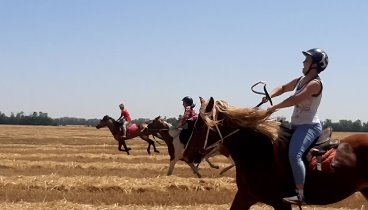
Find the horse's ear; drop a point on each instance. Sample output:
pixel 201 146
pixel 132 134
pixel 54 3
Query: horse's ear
pixel 210 105
pixel 202 100
pixel 157 117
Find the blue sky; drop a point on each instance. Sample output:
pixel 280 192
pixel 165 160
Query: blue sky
pixel 82 58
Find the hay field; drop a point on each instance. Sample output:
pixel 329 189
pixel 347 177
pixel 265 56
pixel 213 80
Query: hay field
pixel 44 167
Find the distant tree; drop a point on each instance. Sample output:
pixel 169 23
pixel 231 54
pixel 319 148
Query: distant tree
pixel 141 120
pixel 173 121
pixel 357 126
pixel 327 123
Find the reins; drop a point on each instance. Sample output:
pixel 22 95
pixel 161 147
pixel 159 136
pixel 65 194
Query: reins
pixel 265 92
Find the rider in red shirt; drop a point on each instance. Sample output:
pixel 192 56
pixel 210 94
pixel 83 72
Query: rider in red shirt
pixel 124 119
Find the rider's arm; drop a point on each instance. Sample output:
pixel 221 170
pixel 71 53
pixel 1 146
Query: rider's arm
pixel 121 116
pixel 282 89
pixel 285 88
pixel 311 89
pixel 185 117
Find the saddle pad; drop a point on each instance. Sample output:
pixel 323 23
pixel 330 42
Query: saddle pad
pixel 133 128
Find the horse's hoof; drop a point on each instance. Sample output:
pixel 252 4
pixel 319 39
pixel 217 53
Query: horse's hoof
pixel 157 151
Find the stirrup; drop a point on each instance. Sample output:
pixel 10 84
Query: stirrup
pixel 297 200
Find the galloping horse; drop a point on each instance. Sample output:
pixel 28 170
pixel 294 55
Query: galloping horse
pixel 258 147
pixel 133 131
pixel 175 147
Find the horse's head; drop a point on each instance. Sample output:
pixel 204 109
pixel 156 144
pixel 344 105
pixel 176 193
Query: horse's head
pixel 157 124
pixel 202 134
pixel 104 122
pixel 161 127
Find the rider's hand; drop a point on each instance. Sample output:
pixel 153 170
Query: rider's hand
pixel 264 99
pixel 271 109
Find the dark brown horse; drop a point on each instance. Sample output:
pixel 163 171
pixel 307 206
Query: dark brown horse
pixel 133 131
pixel 263 173
pixel 175 147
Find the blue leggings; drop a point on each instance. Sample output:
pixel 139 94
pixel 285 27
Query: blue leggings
pixel 302 138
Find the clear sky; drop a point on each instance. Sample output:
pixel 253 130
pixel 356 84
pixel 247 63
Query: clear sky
pixel 82 58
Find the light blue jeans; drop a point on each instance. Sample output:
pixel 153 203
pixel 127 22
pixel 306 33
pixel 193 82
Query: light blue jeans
pixel 302 138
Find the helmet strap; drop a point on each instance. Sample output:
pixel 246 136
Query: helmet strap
pixel 313 67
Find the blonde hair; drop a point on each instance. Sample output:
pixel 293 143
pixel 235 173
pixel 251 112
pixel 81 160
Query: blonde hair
pixel 253 118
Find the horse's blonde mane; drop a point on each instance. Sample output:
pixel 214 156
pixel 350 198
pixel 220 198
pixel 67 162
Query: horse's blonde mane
pixel 255 118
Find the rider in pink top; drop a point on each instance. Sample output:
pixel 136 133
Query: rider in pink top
pixel 189 113
pixel 124 118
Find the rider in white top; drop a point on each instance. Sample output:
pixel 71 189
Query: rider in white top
pixel 305 123
pixel 306 111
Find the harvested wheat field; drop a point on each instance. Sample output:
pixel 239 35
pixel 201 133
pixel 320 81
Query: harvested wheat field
pixel 45 167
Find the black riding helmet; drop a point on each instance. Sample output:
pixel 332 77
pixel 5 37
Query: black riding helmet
pixel 319 57
pixel 188 100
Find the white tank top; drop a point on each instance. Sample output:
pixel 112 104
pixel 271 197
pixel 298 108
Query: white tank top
pixel 306 111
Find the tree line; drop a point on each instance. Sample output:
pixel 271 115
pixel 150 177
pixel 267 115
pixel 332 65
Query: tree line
pixel 41 118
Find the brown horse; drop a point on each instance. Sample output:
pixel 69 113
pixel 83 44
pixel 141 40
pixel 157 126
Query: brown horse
pixel 175 147
pixel 133 131
pixel 263 173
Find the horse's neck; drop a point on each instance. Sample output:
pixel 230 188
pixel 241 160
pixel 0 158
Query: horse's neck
pixel 249 142
pixel 113 128
pixel 166 136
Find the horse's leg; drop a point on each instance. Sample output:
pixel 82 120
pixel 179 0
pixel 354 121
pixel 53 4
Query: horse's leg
pixel 171 166
pixel 149 147
pixel 145 138
pixel 241 202
pixel 195 169
pixel 150 142
pixel 226 169
pixel 126 149
pixel 212 165
pixel 177 152
pixel 229 167
pixel 154 146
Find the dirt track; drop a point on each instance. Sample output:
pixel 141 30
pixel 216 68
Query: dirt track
pixel 80 168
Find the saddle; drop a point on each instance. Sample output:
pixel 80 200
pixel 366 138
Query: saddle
pixel 323 150
pixel 324 143
pixel 132 128
pixel 186 132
